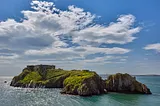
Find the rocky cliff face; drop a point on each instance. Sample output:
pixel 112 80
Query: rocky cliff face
pixel 125 83
pixel 84 85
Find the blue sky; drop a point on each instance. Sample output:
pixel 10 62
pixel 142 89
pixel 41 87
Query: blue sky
pixel 107 36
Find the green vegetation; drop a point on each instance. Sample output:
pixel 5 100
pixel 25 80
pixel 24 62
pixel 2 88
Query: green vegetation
pixel 52 77
pixel 76 79
pixel 32 76
pixel 55 73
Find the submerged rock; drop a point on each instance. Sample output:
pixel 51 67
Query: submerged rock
pixel 125 83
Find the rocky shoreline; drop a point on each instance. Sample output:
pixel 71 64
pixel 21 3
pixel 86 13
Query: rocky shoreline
pixel 77 82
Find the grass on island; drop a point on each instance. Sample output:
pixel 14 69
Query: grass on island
pixel 76 79
pixel 73 77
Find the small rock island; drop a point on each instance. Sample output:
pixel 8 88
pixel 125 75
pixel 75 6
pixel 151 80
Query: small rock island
pixel 125 83
pixel 77 82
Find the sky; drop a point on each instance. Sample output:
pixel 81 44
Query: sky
pixel 106 36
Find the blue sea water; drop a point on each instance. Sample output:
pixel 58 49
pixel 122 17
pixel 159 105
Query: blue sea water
pixel 11 96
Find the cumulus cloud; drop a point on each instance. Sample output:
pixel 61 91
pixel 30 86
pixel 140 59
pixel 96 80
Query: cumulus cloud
pixel 47 30
pixel 155 47
pixel 120 32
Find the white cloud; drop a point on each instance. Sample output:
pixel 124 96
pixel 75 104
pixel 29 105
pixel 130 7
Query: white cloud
pixel 155 47
pixel 7 56
pixel 75 23
pixel 105 59
pixel 45 21
pixel 120 32
pixel 82 51
pixel 40 33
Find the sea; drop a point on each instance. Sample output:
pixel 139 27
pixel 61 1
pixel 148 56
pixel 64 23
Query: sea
pixel 12 96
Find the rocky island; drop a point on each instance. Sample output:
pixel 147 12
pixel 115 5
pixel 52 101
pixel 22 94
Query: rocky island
pixel 76 82
pixel 125 83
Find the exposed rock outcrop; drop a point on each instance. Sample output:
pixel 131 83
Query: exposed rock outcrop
pixel 125 83
pixel 84 84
